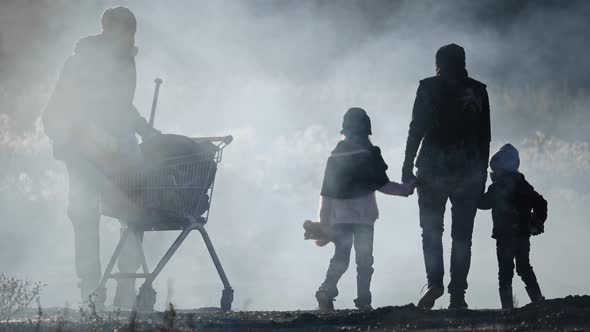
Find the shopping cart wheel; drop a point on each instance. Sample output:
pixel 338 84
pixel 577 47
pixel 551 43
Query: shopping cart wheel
pixel 227 297
pixel 146 299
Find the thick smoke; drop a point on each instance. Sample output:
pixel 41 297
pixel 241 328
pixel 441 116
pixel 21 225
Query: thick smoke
pixel 279 75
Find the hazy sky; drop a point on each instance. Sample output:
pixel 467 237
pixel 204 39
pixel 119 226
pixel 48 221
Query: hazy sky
pixel 279 75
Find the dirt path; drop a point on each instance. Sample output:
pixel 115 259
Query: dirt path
pixel 569 314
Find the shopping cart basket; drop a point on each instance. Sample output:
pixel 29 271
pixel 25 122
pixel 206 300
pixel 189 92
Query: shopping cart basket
pixel 174 196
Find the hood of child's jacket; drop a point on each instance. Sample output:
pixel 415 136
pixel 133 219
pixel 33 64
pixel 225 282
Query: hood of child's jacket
pixel 351 145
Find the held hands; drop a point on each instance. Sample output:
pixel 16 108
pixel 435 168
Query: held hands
pixel 409 188
pixel 398 189
pixel 408 173
pixel 409 180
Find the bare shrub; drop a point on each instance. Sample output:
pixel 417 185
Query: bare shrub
pixel 170 317
pixel 16 294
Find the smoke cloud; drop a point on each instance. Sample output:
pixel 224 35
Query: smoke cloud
pixel 279 75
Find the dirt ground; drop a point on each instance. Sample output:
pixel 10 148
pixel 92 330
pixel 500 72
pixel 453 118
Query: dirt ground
pixel 568 314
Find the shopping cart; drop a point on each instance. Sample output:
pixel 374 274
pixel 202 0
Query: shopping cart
pixel 174 196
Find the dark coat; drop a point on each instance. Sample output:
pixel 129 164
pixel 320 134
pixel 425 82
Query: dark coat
pixel 513 200
pixel 95 88
pixel 354 170
pixel 451 118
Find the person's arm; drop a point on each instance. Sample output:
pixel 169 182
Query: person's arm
pixel 142 127
pixel 537 201
pixel 540 207
pixel 487 200
pixel 325 210
pixel 398 189
pixel 325 222
pixel 418 127
pixel 486 131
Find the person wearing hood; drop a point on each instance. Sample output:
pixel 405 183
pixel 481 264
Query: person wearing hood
pixel 92 122
pixel 518 212
pixel 354 172
pixel 451 123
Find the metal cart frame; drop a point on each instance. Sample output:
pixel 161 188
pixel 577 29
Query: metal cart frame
pixel 149 221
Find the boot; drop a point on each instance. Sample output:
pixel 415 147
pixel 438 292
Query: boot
pixel 458 302
pixel 430 296
pixel 325 301
pixel 363 286
pixel 506 299
pixel 363 305
pixel 534 293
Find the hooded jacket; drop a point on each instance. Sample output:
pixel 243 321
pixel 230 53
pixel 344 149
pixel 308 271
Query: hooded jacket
pixel 354 170
pixel 512 200
pixel 94 93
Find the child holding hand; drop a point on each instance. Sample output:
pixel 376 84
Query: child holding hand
pixel 354 172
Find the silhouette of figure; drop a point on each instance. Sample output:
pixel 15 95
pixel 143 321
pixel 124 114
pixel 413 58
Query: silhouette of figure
pixel 354 172
pixel 518 212
pixel 91 111
pixel 451 119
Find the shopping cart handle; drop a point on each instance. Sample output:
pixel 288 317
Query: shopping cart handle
pixel 228 139
pixel 225 139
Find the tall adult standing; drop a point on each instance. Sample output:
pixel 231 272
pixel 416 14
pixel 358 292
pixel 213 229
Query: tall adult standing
pixel 89 116
pixel 451 120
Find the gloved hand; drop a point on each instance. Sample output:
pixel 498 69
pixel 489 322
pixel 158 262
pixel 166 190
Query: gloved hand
pixel 143 128
pixel 149 132
pixel 408 173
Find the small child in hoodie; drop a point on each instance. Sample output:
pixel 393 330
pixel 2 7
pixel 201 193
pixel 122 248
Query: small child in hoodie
pixel 348 211
pixel 518 212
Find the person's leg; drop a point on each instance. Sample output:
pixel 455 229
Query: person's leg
pixel 505 252
pixel 525 270
pixel 129 262
pixel 432 201
pixel 83 212
pixel 343 239
pixel 464 199
pixel 363 248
